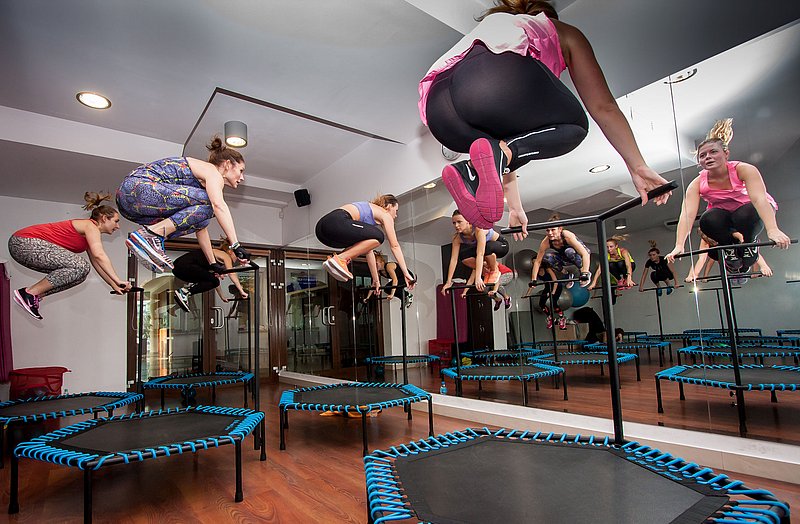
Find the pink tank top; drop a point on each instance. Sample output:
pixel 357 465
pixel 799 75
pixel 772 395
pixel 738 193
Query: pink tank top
pixel 526 35
pixel 728 199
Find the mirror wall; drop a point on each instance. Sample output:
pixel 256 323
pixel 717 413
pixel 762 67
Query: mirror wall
pixel 668 118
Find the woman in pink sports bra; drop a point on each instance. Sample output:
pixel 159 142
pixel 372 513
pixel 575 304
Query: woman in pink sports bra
pixel 737 202
pixel 496 94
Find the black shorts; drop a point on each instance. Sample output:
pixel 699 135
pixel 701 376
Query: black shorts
pixel 497 247
pixel 338 230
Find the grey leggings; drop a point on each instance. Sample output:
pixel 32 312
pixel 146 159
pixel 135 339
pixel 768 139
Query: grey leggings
pixel 64 268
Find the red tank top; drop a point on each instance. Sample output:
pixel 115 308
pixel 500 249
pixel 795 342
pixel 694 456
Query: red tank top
pixel 59 233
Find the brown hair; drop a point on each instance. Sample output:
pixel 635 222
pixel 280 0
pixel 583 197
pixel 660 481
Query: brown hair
pixel 456 212
pixel 385 200
pixel 653 247
pixel 521 7
pixel 721 132
pixel 617 239
pixel 94 203
pixel 219 152
pixel 554 217
pixel 379 256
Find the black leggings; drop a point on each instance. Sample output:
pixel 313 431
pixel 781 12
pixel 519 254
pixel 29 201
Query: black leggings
pixel 719 225
pixel 619 269
pixel 497 247
pixel 338 230
pixel 544 298
pixel 661 276
pixel 199 275
pixel 505 97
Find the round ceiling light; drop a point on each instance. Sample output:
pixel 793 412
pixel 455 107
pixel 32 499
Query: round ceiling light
pixel 600 168
pixel 93 100
pixel 680 77
pixel 429 185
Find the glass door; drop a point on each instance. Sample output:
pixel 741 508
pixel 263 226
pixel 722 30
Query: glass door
pixel 309 316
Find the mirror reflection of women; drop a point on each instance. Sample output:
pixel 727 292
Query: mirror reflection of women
pixel 473 246
pixel 561 249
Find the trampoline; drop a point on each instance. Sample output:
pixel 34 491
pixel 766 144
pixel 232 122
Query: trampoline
pixel 782 332
pixel 397 360
pixel 38 409
pixel 569 345
pixel 658 345
pixel 352 397
pixel 757 352
pixel 718 331
pixel 754 378
pixel 506 371
pixel 758 339
pixel 578 358
pixel 189 383
pixel 483 475
pixel 490 356
pixel 94 444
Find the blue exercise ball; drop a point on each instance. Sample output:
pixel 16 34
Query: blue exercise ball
pixel 580 295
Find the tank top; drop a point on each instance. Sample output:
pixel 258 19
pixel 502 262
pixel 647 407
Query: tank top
pixel 660 266
pixel 61 234
pixel 619 256
pixel 173 170
pixel 365 212
pixel 728 199
pixel 491 234
pixel 526 35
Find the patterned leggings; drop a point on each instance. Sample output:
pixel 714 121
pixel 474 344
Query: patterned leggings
pixel 146 201
pixel 64 268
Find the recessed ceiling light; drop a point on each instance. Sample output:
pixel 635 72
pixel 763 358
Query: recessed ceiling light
pixel 429 185
pixel 600 168
pixel 93 100
pixel 680 77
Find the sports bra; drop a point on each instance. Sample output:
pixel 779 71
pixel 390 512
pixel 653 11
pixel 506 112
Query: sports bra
pixel 365 212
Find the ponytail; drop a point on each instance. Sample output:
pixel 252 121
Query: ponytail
pixel 219 152
pixel 385 200
pixel 721 132
pixel 94 203
pixel 653 247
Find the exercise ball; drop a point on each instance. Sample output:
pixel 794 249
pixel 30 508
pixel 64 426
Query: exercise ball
pixel 523 262
pixel 565 300
pixel 580 295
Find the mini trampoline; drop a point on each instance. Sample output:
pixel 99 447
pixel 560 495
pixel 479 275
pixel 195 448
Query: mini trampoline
pixel 754 378
pixel 38 409
pixel 482 475
pixel 719 331
pixel 490 356
pixel 93 444
pixel 352 397
pixel 397 360
pixel 782 332
pixel 189 383
pixel 569 345
pixel 578 358
pixel 658 345
pixel 758 339
pixel 506 371
pixel 757 352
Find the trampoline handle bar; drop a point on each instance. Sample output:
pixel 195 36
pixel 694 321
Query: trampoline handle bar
pixel 534 283
pixel 669 186
pixel 250 266
pixel 133 289
pixel 465 286
pixel 730 246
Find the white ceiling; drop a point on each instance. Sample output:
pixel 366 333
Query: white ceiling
pixel 318 79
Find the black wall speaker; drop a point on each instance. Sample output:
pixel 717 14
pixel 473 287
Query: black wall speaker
pixel 302 197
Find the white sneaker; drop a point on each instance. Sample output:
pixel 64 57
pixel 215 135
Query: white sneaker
pixel 182 298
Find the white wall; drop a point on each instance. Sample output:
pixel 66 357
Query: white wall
pixel 254 223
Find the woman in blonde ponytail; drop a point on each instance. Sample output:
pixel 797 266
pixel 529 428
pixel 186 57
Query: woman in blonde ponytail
pixel 737 199
pixel 53 248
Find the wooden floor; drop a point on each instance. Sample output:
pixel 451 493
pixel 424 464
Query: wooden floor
pixel 319 478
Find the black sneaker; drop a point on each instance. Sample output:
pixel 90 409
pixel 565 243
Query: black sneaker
pixel 29 302
pixel 182 298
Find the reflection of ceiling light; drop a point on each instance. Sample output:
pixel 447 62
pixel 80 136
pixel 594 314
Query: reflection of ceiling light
pixel 235 133
pixel 304 264
pixel 93 100
pixel 620 223
pixel 600 168
pixel 683 75
pixel 429 185
pixel 505 200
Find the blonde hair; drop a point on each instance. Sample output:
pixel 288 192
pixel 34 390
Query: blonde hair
pixel 721 132
pixel 617 239
pixel 521 7
pixel 385 200
pixel 379 256
pixel 94 203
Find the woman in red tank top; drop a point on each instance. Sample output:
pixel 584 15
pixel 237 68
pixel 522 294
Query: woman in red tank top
pixel 54 249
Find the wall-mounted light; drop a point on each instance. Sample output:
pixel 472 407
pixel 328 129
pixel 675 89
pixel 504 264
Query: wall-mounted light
pixel 93 100
pixel 620 223
pixel 429 185
pixel 600 168
pixel 235 133
pixel 680 77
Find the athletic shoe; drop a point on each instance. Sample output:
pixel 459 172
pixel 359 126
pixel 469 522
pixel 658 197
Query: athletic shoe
pixel 143 258
pixel 337 268
pixel 182 298
pixel 497 304
pixel 659 291
pixel 740 281
pixel 562 322
pixel 507 302
pixel 409 299
pixel 669 290
pixel 151 244
pixel 549 322
pixel 29 303
pixel 490 163
pixel 462 182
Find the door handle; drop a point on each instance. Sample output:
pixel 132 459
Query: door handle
pixel 331 317
pixel 218 320
pixel 324 316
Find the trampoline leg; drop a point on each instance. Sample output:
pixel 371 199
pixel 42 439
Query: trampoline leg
pixel 408 407
pixel 263 443
pixel 680 388
pixel 773 397
pixel 658 395
pixel 602 371
pixel 364 432
pixel 741 412
pixel 162 399
pixel 213 394
pixel 283 423
pixel 13 502
pixel 564 380
pixel 524 392
pixel 660 355
pixel 669 348
pixel 87 496
pixel 536 381
pixel 239 496
pixel 244 388
pixel 638 373
pixel 430 417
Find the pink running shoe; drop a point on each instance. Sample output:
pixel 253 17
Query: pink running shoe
pixel 490 163
pixel 461 181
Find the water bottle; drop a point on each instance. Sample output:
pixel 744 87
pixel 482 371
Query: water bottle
pixel 443 389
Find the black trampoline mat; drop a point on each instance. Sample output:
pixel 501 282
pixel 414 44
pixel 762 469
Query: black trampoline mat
pixel 576 358
pixel 503 480
pixel 500 371
pixel 350 396
pixel 749 350
pixel 197 379
pixel 749 375
pixel 41 407
pixel 148 432
pixel 399 359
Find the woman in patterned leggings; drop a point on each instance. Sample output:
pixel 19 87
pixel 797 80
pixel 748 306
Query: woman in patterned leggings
pixel 176 196
pixel 53 249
